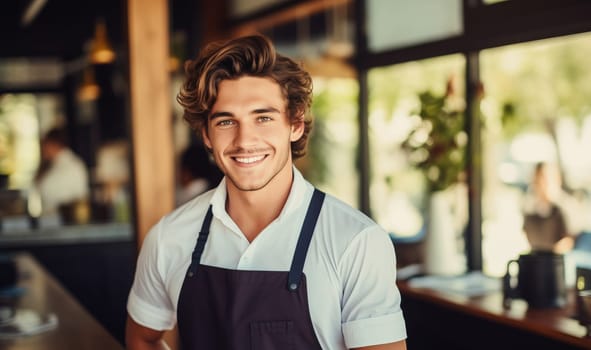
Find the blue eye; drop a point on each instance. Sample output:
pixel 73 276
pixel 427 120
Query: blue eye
pixel 225 122
pixel 265 119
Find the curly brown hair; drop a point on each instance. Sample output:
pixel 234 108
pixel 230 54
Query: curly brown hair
pixel 245 56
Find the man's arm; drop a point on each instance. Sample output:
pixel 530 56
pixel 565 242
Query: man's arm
pixel 138 337
pixel 399 345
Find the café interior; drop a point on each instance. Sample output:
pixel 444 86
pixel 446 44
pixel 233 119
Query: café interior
pixel 429 116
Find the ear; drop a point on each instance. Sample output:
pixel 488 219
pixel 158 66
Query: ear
pixel 297 129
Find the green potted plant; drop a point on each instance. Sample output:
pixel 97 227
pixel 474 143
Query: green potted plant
pixel 437 143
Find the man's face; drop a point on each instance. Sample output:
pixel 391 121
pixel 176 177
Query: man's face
pixel 250 133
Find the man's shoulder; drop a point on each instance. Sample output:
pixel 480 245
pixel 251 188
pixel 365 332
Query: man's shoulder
pixel 343 218
pixel 185 218
pixel 338 207
pixel 341 227
pixel 193 208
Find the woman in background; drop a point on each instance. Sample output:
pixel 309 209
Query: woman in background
pixel 546 222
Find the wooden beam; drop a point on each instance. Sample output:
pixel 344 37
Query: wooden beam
pixel 151 121
pixel 294 12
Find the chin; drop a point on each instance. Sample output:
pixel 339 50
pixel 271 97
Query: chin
pixel 246 185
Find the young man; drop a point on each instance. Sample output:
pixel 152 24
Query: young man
pixel 264 261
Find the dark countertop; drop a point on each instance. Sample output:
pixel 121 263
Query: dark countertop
pixel 76 328
pixel 69 234
pixel 556 325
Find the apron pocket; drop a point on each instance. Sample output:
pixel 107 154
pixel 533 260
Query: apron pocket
pixel 271 335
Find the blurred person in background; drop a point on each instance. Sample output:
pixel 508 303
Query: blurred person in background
pixel 197 173
pixel 111 186
pixel 62 177
pixel 547 213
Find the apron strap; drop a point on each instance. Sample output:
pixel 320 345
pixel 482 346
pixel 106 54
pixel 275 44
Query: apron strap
pixel 299 257
pixel 203 234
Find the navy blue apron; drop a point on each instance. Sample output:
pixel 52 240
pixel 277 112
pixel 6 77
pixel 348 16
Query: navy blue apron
pixel 248 310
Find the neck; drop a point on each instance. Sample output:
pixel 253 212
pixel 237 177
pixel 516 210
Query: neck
pixel 252 211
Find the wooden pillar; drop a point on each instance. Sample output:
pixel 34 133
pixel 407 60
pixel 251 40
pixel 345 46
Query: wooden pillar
pixel 151 109
pixel 151 117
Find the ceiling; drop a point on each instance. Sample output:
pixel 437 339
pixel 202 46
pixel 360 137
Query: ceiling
pixel 56 40
pixel 61 28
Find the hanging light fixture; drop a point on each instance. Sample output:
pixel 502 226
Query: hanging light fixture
pixel 177 52
pixel 89 90
pixel 327 63
pixel 340 44
pixel 101 51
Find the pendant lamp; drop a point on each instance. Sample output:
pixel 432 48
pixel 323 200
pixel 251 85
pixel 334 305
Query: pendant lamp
pixel 101 50
pixel 89 90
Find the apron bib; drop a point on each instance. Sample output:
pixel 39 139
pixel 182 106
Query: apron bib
pixel 248 310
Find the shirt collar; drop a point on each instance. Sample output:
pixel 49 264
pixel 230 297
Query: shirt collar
pixel 300 190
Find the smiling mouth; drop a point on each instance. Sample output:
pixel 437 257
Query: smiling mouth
pixel 249 160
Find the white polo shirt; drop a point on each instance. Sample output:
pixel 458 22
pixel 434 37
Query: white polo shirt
pixel 350 265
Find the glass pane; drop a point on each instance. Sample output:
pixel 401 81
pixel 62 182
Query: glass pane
pixel 537 109
pixel 397 23
pixel 330 162
pixel 398 187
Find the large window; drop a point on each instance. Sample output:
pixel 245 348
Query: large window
pixel 527 103
pixel 537 108
pixel 401 23
pixel 398 190
pixel 330 163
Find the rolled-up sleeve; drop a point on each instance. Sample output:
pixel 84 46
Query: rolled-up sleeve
pixel 371 312
pixel 148 303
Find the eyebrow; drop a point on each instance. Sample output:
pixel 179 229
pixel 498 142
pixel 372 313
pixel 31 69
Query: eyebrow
pixel 265 110
pixel 254 111
pixel 219 114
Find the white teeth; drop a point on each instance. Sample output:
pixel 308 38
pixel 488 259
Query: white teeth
pixel 249 160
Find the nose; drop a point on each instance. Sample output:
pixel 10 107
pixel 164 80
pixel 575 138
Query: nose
pixel 246 135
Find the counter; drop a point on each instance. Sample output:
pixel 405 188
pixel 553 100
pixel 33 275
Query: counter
pixel 76 328
pixel 68 234
pixel 94 263
pixel 459 322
